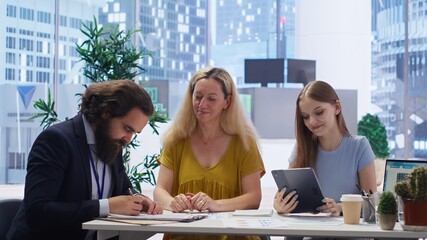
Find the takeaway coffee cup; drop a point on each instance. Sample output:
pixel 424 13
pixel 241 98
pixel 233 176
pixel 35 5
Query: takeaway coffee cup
pixel 351 208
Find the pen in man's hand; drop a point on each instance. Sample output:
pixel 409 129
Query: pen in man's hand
pixel 130 191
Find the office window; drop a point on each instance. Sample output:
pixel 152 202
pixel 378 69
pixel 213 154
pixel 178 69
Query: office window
pixel 10 30
pixel 10 74
pixel 29 61
pixel 11 11
pixel 26 13
pixel 62 77
pixel 39 46
pixel 43 35
pixel 73 51
pixel 29 76
pixel 26 32
pixel 75 23
pixel 62 21
pixel 62 64
pixel 10 58
pixel 43 62
pixel 10 42
pixel 42 77
pixel 43 17
pixel 25 44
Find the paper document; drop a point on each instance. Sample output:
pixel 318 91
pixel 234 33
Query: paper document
pixel 311 219
pixel 254 223
pixel 180 217
pixel 253 212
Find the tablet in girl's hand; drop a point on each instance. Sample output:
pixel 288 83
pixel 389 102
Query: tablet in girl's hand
pixel 304 182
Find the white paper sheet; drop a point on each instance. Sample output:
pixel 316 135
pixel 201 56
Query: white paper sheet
pixel 254 223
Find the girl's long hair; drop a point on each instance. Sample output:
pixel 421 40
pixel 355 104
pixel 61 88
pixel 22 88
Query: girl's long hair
pixel 307 142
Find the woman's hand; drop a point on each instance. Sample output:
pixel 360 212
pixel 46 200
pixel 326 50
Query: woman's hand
pixel 285 204
pixel 181 202
pixel 202 202
pixel 331 207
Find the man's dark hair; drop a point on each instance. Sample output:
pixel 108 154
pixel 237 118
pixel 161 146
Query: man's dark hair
pixel 114 98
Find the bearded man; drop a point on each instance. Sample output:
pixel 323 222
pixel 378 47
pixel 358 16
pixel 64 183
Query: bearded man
pixel 75 170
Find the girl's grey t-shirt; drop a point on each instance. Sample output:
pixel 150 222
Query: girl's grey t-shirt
pixel 337 170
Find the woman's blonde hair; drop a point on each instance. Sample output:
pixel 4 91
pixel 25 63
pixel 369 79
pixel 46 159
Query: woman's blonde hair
pixel 233 119
pixel 307 142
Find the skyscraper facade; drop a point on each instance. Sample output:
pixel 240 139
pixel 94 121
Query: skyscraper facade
pixel 30 43
pixel 29 36
pixel 175 33
pixel 252 29
pixel 402 111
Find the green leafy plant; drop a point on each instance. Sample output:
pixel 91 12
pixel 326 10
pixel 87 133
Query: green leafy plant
pixel 414 186
pixel 387 204
pixel 48 112
pixel 109 55
pixel 371 127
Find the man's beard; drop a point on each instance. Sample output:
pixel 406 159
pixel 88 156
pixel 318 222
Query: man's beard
pixel 106 147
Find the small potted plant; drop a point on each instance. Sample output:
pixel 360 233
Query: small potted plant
pixel 413 193
pixel 387 210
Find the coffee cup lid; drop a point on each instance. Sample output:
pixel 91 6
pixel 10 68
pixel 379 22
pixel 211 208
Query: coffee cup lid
pixel 351 198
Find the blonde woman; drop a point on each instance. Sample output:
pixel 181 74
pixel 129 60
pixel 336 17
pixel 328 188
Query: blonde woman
pixel 210 160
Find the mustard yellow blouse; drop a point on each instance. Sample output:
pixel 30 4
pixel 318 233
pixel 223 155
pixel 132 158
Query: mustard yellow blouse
pixel 220 182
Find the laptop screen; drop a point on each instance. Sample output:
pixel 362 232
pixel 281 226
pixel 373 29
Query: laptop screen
pixel 397 170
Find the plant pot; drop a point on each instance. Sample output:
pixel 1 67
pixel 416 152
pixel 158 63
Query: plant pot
pixel 415 212
pixel 387 222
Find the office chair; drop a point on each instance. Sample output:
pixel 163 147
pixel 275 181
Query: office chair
pixel 8 210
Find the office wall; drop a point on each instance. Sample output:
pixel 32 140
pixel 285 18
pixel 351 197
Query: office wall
pixel 273 110
pixel 339 38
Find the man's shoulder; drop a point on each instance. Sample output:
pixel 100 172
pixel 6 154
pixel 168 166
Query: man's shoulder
pixel 65 127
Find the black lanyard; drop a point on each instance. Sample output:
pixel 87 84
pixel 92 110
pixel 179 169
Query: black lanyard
pixel 95 172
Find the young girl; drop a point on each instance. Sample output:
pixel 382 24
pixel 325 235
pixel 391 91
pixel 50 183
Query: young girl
pixel 342 162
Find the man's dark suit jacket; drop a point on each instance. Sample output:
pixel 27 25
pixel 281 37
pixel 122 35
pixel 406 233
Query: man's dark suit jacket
pixel 58 185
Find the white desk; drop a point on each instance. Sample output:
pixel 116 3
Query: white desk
pixel 108 229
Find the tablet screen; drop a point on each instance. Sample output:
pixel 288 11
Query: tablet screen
pixel 304 182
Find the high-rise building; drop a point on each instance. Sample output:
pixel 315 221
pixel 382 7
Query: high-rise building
pixel 175 33
pixel 29 40
pixel 29 43
pixel 388 74
pixel 241 25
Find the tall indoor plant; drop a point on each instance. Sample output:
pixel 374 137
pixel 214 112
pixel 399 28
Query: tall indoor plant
pixel 374 130
pixel 108 55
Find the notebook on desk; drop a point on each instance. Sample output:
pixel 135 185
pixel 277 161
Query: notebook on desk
pixel 396 170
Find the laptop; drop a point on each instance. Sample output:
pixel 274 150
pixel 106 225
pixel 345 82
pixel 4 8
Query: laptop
pixel 396 170
pixel 304 182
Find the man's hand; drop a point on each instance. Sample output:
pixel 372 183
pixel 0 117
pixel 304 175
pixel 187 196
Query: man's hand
pixel 126 205
pixel 133 205
pixel 149 206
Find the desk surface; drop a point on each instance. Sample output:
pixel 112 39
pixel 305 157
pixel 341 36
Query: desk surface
pixel 215 225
